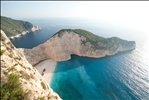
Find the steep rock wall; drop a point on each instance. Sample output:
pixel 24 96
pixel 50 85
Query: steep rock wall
pixel 14 62
pixel 61 46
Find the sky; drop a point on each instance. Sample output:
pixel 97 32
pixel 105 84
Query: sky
pixel 135 12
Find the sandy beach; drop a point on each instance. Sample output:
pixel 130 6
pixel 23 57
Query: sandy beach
pixel 46 69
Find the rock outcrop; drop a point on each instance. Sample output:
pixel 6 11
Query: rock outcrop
pixel 14 64
pixel 35 28
pixel 66 42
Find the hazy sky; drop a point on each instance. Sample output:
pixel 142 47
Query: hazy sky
pixel 136 12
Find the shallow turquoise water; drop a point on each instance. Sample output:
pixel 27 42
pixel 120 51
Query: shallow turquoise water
pixel 124 76
pixel 120 77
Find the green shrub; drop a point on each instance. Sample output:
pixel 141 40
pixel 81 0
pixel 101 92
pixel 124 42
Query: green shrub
pixel 1 52
pixel 32 76
pixel 21 71
pixel 10 44
pixel 43 85
pixel 41 98
pixel 49 97
pixel 19 58
pixel 2 38
pixel 11 68
pixel 11 90
pixel 10 55
pixel 90 36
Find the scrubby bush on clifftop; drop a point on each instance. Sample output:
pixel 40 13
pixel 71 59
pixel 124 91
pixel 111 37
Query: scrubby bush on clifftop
pixel 12 90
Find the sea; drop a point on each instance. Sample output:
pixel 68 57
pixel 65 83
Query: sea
pixel 124 76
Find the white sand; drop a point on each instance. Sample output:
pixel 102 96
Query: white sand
pixel 49 66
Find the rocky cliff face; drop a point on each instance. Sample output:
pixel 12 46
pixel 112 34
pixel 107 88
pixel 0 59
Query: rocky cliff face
pixel 67 42
pixel 14 64
pixel 35 28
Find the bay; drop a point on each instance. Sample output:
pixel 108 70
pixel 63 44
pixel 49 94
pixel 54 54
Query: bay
pixel 124 76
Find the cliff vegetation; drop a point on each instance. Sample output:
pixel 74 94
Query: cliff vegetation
pixel 19 79
pixel 13 27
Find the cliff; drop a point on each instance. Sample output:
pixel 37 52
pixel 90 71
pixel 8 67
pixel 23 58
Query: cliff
pixel 66 42
pixel 14 28
pixel 19 79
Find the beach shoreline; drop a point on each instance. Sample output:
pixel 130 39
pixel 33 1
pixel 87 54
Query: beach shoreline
pixel 46 69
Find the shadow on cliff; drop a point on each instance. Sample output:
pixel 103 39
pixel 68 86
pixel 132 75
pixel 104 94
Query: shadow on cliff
pixel 77 61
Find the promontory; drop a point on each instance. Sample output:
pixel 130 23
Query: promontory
pixel 80 42
pixel 15 28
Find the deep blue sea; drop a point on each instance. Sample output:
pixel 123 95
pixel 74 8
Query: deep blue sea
pixel 123 76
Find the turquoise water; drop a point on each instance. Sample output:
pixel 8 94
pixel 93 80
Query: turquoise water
pixel 123 76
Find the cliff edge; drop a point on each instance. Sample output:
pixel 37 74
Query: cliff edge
pixel 19 79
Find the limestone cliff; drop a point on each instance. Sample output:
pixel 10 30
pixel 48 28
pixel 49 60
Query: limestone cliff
pixel 80 42
pixel 35 28
pixel 19 79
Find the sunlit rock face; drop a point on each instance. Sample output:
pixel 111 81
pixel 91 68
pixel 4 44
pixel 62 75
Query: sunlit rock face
pixel 14 62
pixel 66 42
